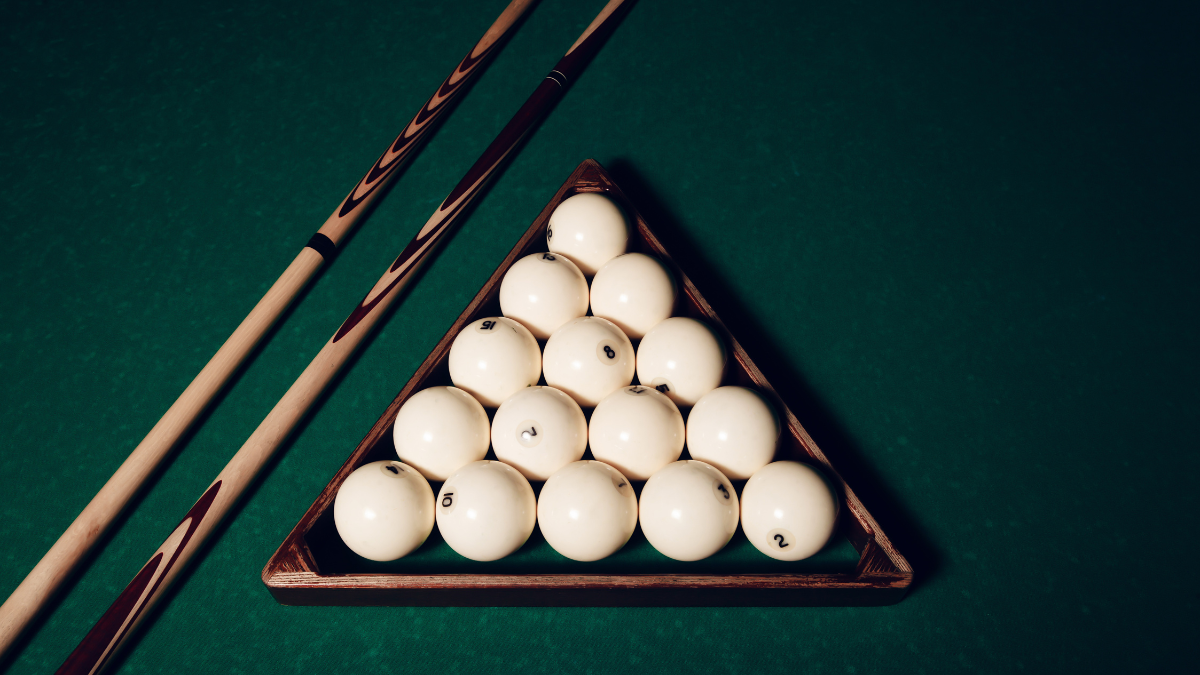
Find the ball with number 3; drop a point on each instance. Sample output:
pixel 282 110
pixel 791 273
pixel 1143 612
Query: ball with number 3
pixel 688 510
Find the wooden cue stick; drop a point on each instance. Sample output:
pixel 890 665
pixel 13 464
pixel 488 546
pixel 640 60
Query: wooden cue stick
pixel 115 626
pixel 33 593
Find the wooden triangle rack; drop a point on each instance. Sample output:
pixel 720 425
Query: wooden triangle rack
pixel 313 567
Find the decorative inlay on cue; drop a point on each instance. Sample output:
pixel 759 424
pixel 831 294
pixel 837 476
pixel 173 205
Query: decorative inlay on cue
pixel 122 618
pixel 29 597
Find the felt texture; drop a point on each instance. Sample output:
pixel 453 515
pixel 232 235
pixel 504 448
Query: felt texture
pixel 961 240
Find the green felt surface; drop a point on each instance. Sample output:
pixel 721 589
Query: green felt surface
pixel 537 557
pixel 961 241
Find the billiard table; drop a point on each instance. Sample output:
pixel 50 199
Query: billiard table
pixel 960 241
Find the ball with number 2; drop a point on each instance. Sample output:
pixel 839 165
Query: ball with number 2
pixel 789 510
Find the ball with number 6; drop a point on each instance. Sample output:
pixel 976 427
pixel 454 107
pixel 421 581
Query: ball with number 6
pixel 589 229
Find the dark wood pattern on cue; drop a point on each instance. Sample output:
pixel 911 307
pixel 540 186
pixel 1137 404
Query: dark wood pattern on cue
pixel 287 413
pixel 882 575
pixel 102 641
pixel 509 138
pixel 27 599
pixel 401 149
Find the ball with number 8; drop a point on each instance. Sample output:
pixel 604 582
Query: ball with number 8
pixel 588 358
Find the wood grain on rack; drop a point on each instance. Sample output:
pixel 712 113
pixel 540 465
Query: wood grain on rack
pixel 882 575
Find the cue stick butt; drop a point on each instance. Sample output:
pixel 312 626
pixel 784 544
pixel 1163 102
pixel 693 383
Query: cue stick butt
pixel 56 565
pixel 122 618
pixel 47 576
pixel 134 603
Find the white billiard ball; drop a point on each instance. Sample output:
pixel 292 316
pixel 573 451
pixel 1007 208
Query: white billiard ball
pixel 789 510
pixel 587 511
pixel 589 229
pixel 637 430
pixel 634 291
pixel 538 431
pixel 384 510
pixel 486 510
pixel 588 358
pixel 735 429
pixel 683 358
pixel 439 430
pixel 494 358
pixel 688 510
pixel 543 291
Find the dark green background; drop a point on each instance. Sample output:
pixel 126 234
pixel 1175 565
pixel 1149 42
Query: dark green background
pixel 962 240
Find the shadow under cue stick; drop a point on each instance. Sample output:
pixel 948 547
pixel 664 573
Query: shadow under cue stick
pixel 116 625
pixel 33 593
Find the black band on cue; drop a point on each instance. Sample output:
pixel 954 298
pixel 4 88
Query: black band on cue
pixel 323 245
pixel 557 77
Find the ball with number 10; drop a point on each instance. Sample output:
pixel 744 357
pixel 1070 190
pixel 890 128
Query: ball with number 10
pixel 486 510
